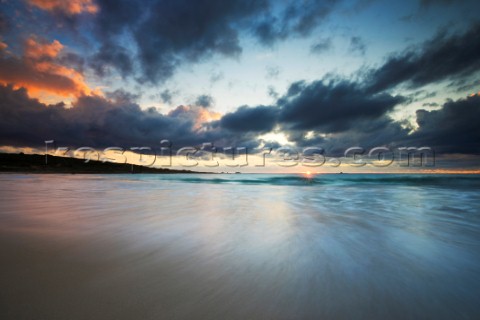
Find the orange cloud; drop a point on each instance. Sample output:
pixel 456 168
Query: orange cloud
pixel 198 115
pixel 70 7
pixel 204 116
pixel 40 72
pixel 36 50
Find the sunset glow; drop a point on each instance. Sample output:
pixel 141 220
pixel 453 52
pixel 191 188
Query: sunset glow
pixel 270 76
pixel 239 159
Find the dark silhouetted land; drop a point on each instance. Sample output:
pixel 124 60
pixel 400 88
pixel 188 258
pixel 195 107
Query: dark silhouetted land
pixel 34 163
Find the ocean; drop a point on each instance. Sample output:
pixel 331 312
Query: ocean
pixel 239 246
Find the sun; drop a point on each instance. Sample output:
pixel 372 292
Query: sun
pixel 307 174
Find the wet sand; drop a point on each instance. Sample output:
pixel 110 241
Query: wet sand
pixel 96 247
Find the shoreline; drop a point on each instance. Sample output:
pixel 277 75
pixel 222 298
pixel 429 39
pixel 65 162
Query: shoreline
pixel 35 163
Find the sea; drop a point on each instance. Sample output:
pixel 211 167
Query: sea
pixel 239 246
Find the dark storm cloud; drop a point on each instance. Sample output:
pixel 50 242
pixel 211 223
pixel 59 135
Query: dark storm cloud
pixel 428 3
pixel 332 107
pixel 204 101
pixel 177 31
pixel 72 60
pixel 165 34
pixel 298 18
pixel 441 58
pixel 113 121
pixel 109 56
pixel 466 86
pixel 118 16
pixel 149 40
pixel 419 95
pixel 367 134
pixel 3 23
pixel 92 121
pixel 349 116
pixel 340 112
pixel 425 5
pixel 115 19
pixel 122 96
pixel 159 34
pixel 260 119
pixel 451 129
pixel 24 120
pixel 25 71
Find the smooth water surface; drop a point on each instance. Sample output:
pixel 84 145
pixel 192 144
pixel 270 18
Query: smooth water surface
pixel 239 246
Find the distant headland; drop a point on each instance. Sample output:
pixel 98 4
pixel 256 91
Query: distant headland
pixel 35 163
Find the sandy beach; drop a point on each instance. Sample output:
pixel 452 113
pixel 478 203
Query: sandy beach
pixel 237 247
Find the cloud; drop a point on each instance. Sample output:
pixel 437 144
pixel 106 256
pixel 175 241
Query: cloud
pixel 149 42
pixel 122 96
pixel 443 57
pixel 334 116
pixel 3 23
pixel 195 115
pixel 165 34
pixel 451 129
pixel 428 3
pixel 216 76
pixel 332 107
pixel 174 32
pixel 334 112
pixel 321 46
pixel 272 72
pixel 466 86
pixel 204 101
pixel 382 131
pixel 272 92
pixel 37 50
pixel 41 72
pixel 297 19
pixel 260 119
pixel 110 57
pixel 68 7
pixel 166 96
pixel 357 45
pixel 97 122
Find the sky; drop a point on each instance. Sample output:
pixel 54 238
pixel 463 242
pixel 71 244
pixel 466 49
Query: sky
pixel 287 75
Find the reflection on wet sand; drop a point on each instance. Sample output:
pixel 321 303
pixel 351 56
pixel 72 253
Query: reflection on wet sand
pixel 128 247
